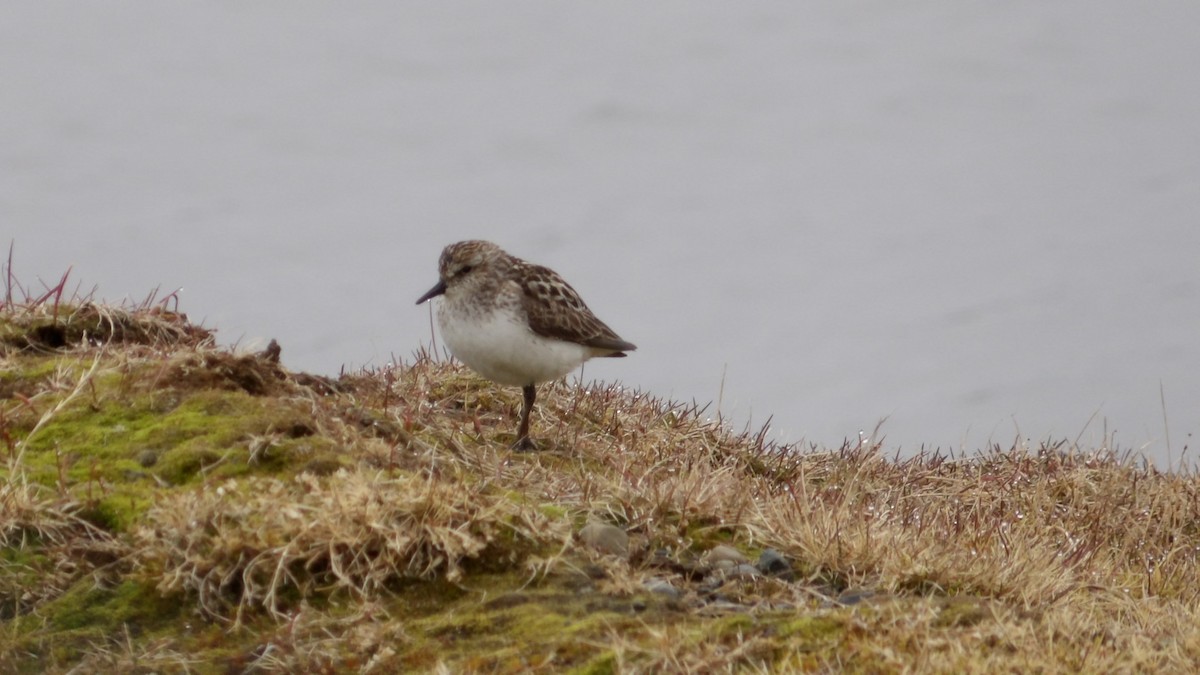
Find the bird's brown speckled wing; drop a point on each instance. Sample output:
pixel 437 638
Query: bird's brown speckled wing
pixel 556 311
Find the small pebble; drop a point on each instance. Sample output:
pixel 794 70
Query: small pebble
pixel 725 607
pixel 660 557
pixel 854 597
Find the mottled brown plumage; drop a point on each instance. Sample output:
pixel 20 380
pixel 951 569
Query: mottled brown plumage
pixel 545 294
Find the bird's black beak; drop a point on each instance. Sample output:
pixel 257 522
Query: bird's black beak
pixel 437 290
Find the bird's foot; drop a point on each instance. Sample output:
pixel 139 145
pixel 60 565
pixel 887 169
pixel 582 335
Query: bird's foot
pixel 524 444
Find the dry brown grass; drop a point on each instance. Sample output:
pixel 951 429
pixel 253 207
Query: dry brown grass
pixel 352 531
pixel 379 522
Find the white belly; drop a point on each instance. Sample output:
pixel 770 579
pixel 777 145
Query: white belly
pixel 502 348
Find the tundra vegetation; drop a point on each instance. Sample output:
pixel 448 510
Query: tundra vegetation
pixel 171 505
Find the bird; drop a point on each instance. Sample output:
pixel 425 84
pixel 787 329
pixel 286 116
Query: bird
pixel 514 322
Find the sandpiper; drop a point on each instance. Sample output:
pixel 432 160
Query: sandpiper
pixel 514 322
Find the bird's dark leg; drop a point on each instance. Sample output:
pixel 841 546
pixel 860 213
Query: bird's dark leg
pixel 523 441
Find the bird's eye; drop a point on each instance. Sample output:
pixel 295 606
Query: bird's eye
pixel 465 269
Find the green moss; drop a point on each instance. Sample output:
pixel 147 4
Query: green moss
pixel 808 629
pixel 736 624
pixel 115 447
pixel 115 512
pixel 602 664
pixel 21 568
pixel 93 608
pixel 513 626
pixel 86 615
pixel 28 370
pixel 961 611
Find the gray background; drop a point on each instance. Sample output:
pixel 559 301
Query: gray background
pixel 978 219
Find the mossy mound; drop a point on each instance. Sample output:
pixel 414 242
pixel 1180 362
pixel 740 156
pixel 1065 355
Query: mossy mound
pixel 167 505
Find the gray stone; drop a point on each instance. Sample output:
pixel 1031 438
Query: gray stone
pixel 605 539
pixel 663 587
pixel 725 566
pixel 744 571
pixel 722 552
pixel 773 563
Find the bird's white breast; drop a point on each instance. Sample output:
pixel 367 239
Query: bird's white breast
pixel 499 345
